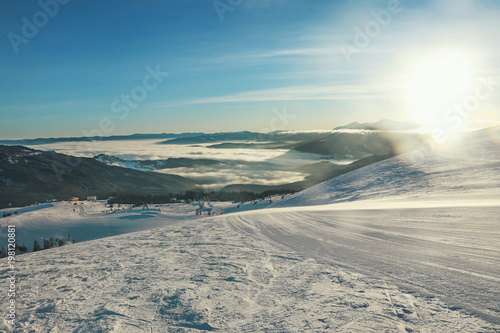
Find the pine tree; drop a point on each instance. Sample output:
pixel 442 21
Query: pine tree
pixel 46 244
pixel 22 248
pixel 36 246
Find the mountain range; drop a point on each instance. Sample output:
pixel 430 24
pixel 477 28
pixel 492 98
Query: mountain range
pixel 28 175
pixel 137 136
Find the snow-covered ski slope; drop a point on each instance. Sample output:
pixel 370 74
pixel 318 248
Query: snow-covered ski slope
pixel 410 244
pixel 428 222
pixel 466 170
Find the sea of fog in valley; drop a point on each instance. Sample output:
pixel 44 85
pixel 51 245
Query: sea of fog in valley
pixel 242 166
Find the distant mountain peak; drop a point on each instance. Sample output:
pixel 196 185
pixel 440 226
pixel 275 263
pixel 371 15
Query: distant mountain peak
pixel 353 125
pixel 381 125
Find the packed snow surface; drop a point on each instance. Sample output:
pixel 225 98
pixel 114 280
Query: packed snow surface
pixel 410 244
pixel 87 220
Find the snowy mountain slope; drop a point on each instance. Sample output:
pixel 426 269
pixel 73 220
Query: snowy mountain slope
pixel 206 275
pixel 451 253
pixel 469 169
pixel 428 223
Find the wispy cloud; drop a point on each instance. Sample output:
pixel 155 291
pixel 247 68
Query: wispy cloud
pixel 295 93
pixel 296 52
pixel 301 53
pixel 264 3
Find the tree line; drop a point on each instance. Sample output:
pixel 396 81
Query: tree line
pixel 11 200
pixel 193 195
pixel 44 244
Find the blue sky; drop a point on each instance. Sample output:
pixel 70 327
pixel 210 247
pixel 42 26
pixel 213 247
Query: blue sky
pixel 235 70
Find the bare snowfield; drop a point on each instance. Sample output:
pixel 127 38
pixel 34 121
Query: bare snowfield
pixel 409 244
pixel 279 272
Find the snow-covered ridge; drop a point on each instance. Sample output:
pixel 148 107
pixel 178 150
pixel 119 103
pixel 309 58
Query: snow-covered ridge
pixel 468 169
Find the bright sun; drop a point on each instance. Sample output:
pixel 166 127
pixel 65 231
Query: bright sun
pixel 436 83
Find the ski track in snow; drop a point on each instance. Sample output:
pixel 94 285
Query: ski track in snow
pixel 219 273
pixel 452 255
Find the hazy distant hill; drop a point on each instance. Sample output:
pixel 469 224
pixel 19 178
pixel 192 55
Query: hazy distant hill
pixel 367 139
pixel 151 165
pixel 281 137
pixel 316 173
pixel 216 137
pixel 41 141
pixel 347 145
pixel 28 175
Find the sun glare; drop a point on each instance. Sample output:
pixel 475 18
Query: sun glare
pixel 436 82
